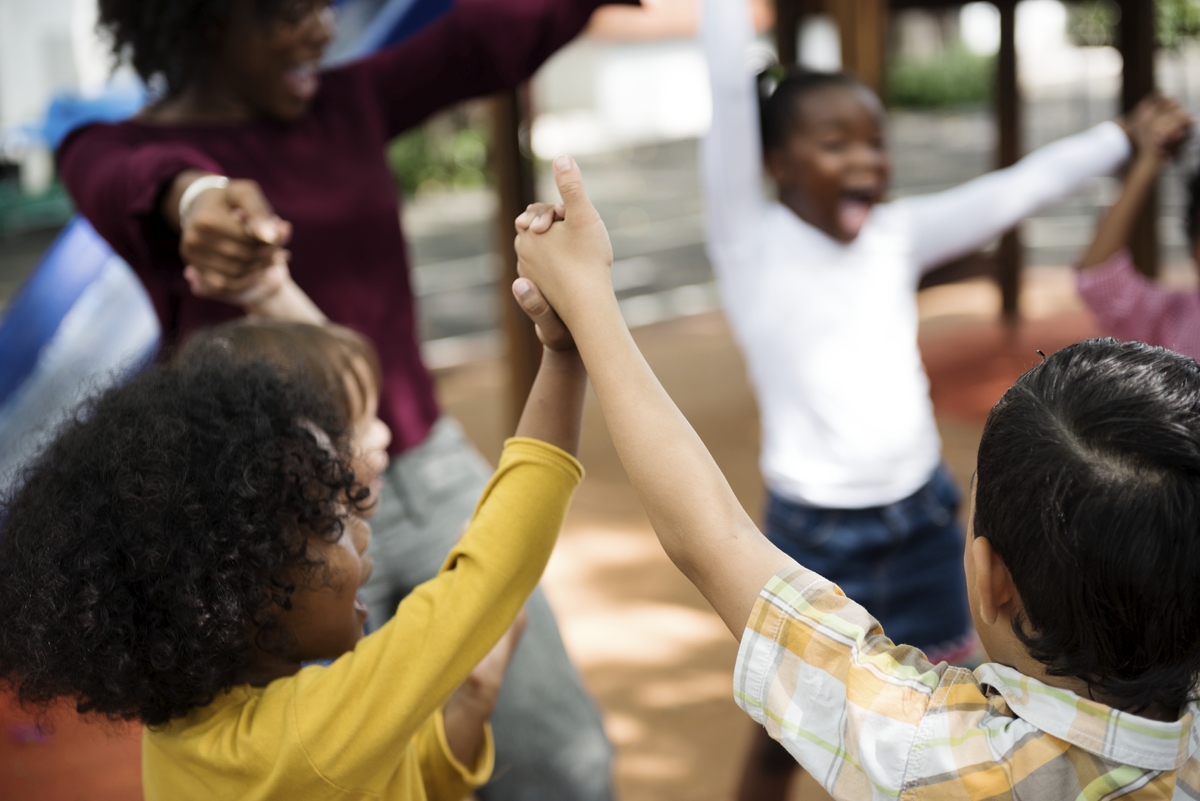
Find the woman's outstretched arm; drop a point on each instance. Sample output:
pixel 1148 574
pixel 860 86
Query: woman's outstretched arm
pixel 699 521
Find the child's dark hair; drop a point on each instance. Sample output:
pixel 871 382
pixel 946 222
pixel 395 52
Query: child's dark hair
pixel 1089 490
pixel 151 545
pixel 780 90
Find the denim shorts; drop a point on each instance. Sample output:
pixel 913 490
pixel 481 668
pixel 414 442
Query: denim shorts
pixel 903 562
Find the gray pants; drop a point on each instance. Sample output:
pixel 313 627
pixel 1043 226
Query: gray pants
pixel 550 744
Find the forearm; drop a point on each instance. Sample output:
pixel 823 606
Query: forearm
pixel 465 734
pixel 290 302
pixel 120 186
pixel 699 521
pixel 1114 229
pixel 553 411
pixel 955 222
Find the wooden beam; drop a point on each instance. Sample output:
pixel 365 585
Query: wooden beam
pixel 1008 149
pixel 512 165
pixel 1137 43
pixel 788 14
pixel 862 25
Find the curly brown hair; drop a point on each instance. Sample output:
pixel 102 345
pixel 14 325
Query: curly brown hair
pixel 170 40
pixel 152 544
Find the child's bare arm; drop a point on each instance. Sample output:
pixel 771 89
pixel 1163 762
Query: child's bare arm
pixel 697 517
pixel 553 411
pixel 1157 126
pixel 471 706
pixel 274 295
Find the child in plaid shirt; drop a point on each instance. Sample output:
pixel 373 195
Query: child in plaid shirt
pixel 1082 565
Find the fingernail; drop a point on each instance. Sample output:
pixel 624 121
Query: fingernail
pixel 267 231
pixel 523 287
pixel 563 163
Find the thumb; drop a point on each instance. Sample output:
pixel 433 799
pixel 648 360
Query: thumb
pixel 570 186
pixel 261 220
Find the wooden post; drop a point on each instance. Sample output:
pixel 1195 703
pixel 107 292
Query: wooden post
pixel 1137 44
pixel 788 14
pixel 1008 150
pixel 862 25
pixel 513 168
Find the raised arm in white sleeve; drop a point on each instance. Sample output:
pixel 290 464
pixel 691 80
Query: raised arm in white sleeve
pixel 731 153
pixel 953 223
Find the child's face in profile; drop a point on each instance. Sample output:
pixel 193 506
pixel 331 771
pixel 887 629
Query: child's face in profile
pixel 834 167
pixel 326 619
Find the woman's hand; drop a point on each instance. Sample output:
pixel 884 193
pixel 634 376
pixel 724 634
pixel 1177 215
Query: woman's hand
pixel 231 237
pixel 472 703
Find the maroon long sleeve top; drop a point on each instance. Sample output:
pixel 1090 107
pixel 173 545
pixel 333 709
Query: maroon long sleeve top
pixel 325 173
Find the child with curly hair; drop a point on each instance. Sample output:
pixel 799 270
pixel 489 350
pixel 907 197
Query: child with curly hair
pixel 193 537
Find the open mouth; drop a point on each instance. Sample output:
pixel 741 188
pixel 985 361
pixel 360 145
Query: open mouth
pixel 303 80
pixel 853 209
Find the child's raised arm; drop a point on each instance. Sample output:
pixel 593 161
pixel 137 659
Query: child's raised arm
pixel 1158 125
pixel 698 519
pixel 274 296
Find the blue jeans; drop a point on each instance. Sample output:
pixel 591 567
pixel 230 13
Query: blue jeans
pixel 903 562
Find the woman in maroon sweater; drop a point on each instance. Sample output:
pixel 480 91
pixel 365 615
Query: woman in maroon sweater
pixel 291 157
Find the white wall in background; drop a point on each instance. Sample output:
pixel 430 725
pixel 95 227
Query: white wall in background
pixel 595 96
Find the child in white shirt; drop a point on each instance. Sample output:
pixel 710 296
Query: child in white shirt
pixel 820 289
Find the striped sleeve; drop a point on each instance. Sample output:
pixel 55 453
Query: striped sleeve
pixel 816 670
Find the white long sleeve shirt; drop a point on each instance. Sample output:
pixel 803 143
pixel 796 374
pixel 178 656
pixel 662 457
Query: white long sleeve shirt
pixel 829 330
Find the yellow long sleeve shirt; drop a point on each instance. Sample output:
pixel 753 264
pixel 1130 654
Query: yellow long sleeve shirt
pixel 369 725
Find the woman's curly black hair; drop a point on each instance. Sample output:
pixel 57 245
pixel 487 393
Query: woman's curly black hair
pixel 152 544
pixel 169 40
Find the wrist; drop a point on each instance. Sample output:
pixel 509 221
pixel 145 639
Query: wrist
pixel 169 206
pixel 567 361
pixel 1148 163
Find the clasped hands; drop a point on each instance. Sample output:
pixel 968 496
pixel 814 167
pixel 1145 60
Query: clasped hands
pixel 564 258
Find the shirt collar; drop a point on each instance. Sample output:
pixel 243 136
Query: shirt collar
pixel 1101 730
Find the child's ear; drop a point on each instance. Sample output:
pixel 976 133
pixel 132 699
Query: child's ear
pixel 993 583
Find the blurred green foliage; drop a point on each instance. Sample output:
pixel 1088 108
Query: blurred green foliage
pixel 957 77
pixel 1093 23
pixel 448 152
pixel 1178 22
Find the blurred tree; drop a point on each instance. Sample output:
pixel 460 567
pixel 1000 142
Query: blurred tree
pixel 449 151
pixel 1178 22
pixel 1093 23
pixel 956 77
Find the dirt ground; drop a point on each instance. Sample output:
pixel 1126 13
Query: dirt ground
pixel 654 655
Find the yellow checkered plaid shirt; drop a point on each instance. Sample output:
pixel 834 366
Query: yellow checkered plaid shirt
pixel 873 720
